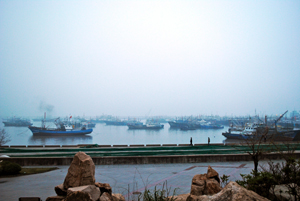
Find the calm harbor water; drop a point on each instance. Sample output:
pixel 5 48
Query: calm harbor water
pixel 118 135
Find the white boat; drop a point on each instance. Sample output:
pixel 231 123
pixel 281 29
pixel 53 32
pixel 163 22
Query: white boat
pixel 249 131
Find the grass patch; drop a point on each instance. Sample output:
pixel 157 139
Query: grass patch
pixel 28 171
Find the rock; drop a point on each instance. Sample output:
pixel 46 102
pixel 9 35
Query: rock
pixel 106 197
pixel 78 196
pixel 211 173
pixel 81 171
pixel 231 192
pixel 199 179
pixel 60 190
pixel 206 184
pixel 212 187
pixel 196 198
pixel 198 184
pixel 118 197
pixel 181 197
pixel 92 190
pixel 104 187
pixel 282 194
pixel 197 190
pixel 56 198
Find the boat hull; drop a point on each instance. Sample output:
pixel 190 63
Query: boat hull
pixel 145 127
pixel 235 136
pixel 46 132
pixel 7 124
pixel 279 136
pixel 174 124
pixel 184 125
pixel 212 127
pixel 116 123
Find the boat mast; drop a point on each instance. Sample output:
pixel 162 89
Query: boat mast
pixel 44 120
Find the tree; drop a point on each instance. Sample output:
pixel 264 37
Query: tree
pixel 255 145
pixel 4 137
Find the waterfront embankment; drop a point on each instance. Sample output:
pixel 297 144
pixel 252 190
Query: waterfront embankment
pixel 137 154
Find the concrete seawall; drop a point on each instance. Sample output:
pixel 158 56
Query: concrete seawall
pixel 130 160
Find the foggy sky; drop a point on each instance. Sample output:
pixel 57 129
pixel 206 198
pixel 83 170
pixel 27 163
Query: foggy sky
pixel 149 57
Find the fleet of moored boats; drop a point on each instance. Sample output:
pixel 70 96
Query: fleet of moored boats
pixel 260 130
pixel 252 129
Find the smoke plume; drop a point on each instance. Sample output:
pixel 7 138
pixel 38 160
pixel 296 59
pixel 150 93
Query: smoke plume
pixel 44 107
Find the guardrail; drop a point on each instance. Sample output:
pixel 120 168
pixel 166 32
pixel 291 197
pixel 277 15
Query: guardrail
pixel 103 146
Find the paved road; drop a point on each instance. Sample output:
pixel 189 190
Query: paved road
pixel 124 179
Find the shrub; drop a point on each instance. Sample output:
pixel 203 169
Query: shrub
pixel 259 182
pixel 224 180
pixel 263 183
pixel 9 168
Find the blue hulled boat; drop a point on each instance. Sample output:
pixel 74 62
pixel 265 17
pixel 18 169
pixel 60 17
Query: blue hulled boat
pixel 39 131
pixel 60 129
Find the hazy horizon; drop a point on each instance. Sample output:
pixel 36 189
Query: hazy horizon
pixel 137 58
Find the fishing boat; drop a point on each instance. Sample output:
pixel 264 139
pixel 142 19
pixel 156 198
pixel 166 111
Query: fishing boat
pixel 210 125
pixel 39 131
pixel 148 125
pixel 257 129
pixel 116 122
pixel 91 125
pixel 188 127
pixel 60 130
pixel 145 126
pixel 259 132
pixel 262 131
pixel 185 124
pixel 246 133
pixel 16 122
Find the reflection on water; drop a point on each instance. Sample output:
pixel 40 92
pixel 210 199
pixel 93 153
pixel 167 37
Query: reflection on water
pixel 148 131
pixel 178 130
pixel 62 140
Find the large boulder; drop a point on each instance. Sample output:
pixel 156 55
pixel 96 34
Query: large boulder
pixel 206 184
pixel 231 192
pixel 60 190
pixel 106 197
pixel 118 197
pixel 81 171
pixel 104 187
pixel 281 193
pixel 211 173
pixel 79 183
pixel 198 184
pixel 111 197
pixel 79 196
pixel 181 197
pixel 92 190
pixel 212 186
